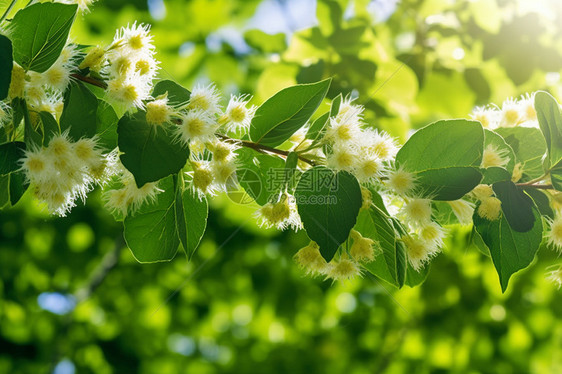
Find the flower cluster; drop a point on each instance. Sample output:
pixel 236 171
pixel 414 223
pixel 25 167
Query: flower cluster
pixel 127 64
pixel 128 197
pixel 424 238
pixel 361 151
pixel 513 112
pixel 201 124
pixel 44 91
pixel 64 170
pixel 348 266
pixel 280 214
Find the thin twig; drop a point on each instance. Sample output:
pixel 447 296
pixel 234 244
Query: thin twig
pixel 263 148
pixel 90 80
pixel 536 186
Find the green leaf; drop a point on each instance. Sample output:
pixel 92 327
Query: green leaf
pixel 39 33
pixel 510 250
pixel 286 112
pixel 328 204
pixel 149 152
pixel 443 213
pixel 479 243
pixel 181 225
pixel 390 266
pixel 447 183
pixel 541 201
pixel 18 186
pixel 50 126
pixel 10 156
pixel 106 125
pixel 31 136
pixel 318 126
pixel 6 66
pixel 416 277
pixel 79 114
pixel 259 175
pixel 4 191
pixel 151 232
pixel 495 174
pixel 329 14
pixel 19 108
pixel 12 188
pixel 291 161
pixel 445 155
pixel 193 216
pixel 550 122
pixel 266 43
pixel 336 103
pixel 529 147
pixel 177 95
pixel 291 171
pixel 556 176
pixel 517 206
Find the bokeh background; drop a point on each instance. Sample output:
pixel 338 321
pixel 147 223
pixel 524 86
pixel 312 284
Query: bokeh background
pixel 73 299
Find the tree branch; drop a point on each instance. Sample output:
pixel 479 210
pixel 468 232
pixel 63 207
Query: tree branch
pixel 263 148
pixel 536 186
pixel 90 80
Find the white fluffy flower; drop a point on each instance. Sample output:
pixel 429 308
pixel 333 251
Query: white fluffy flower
pixel 64 171
pixel 419 251
pixel 494 157
pixel 379 143
pixel 196 125
pixel 401 181
pixel 510 114
pixel 463 210
pixel 369 168
pixel 281 214
pixel 342 157
pixel 238 114
pixel 134 39
pixel 417 211
pixel 205 99
pixel 343 130
pixel 83 5
pixel 159 112
pixel 129 92
pixel 554 234
pixel 488 117
pixel 130 67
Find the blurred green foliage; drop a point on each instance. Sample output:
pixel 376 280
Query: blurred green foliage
pixel 71 297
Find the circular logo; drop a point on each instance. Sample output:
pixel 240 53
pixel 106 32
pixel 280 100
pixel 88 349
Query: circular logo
pixel 249 188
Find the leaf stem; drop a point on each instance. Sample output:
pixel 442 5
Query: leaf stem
pixel 8 10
